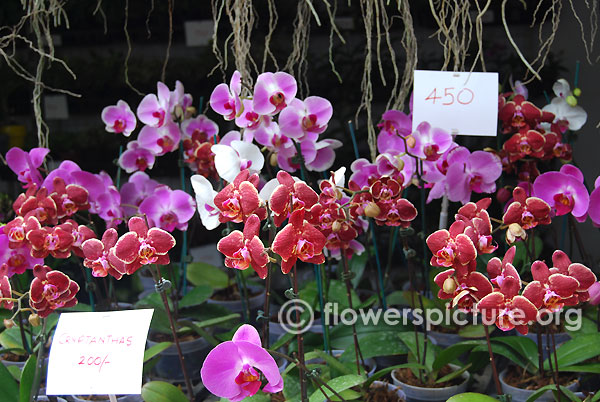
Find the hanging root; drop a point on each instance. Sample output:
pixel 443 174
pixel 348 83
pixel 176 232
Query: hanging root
pixel 297 62
pixel 40 16
pixel 367 8
pixel 273 18
pixel 128 55
pixel 169 42
pixel 409 43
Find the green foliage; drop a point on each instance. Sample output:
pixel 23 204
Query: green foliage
pixel 201 273
pixel 159 391
pixel 9 391
pixel 27 378
pixel 471 397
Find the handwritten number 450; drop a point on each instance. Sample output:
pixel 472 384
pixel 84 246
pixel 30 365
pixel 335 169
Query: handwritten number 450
pixel 464 96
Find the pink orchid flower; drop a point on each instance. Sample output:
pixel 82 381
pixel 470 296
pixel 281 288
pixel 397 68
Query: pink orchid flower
pixel 395 124
pixel 205 201
pixel 479 174
pixel 273 92
pixel 564 191
pixel 201 126
pixel 168 209
pixel 136 158
pixel 248 118
pixel 16 260
pixel 142 246
pixel 594 204
pixel 230 369
pixel 306 119
pixel 324 156
pixel 225 100
pixel 160 140
pixel 155 111
pixel 138 187
pixel 26 164
pixel 243 250
pixel 363 172
pixel 119 119
pixel 430 142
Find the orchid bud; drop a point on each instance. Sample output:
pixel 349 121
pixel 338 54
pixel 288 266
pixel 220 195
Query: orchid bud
pixel 372 210
pixel 190 111
pixel 336 226
pixel 34 320
pixel 594 292
pixel 400 163
pixel 449 285
pixel 503 195
pixel 8 323
pixel 515 231
pixel 273 160
pixel 411 141
pixel 178 112
pixel 577 92
pixel 571 100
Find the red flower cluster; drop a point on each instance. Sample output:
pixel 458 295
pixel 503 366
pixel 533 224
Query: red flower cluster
pixel 337 224
pixel 384 203
pixel 533 134
pixel 42 224
pixel 457 249
pixel 565 284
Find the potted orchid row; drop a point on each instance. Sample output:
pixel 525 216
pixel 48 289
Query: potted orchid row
pixel 270 185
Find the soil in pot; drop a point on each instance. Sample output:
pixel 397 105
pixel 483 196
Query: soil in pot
pixel 233 293
pixel 11 357
pixel 407 376
pixel 383 393
pixel 519 378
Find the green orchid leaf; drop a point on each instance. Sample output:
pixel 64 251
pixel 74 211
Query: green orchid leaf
pixel 160 391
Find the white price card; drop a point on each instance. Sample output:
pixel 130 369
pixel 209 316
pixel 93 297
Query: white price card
pixel 98 353
pixel 461 102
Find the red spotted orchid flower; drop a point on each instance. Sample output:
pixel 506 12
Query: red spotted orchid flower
pixel 51 290
pixel 239 199
pixel 245 249
pixel 299 240
pixel 143 246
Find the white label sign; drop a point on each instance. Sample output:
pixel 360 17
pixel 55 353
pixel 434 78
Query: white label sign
pixel 462 103
pixel 98 353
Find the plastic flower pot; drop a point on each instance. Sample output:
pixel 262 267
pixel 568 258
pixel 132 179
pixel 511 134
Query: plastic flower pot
pixel 390 387
pixel 168 366
pixel 416 394
pixel 255 302
pixel 521 395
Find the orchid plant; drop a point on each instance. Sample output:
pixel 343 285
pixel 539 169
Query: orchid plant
pixel 270 183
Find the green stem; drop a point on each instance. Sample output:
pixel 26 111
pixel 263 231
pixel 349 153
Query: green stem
pixel 492 361
pixel 317 270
